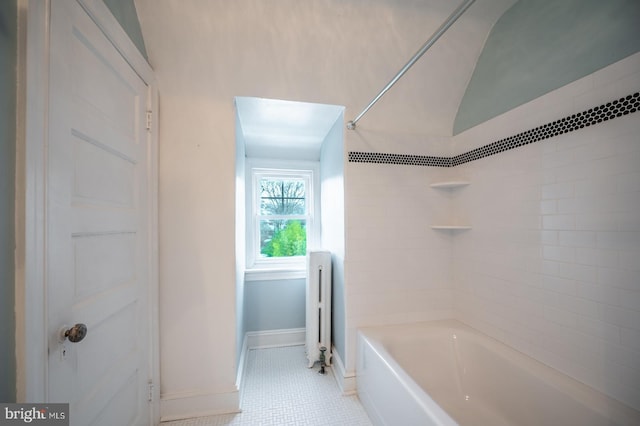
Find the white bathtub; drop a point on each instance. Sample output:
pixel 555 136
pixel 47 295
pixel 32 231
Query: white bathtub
pixel 445 373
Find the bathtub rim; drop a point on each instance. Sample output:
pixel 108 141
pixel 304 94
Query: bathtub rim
pixel 419 395
pixel 584 394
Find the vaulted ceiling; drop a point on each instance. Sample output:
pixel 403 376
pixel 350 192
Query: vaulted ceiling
pixel 339 52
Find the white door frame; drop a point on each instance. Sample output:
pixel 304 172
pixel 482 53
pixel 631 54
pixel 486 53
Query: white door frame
pixel 31 191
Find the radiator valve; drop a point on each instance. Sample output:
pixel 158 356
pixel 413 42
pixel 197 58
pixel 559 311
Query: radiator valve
pixel 323 364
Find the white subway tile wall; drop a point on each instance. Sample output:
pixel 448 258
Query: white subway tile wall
pixel 552 264
pixel 390 248
pixel 575 302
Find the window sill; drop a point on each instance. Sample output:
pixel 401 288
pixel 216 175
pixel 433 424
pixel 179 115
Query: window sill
pixel 267 274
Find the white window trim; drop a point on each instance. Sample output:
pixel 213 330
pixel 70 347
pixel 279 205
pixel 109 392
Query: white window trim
pixel 282 268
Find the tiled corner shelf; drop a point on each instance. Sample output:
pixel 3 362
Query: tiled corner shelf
pixel 450 185
pixel 453 184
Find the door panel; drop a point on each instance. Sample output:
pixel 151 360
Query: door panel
pixel 101 176
pixel 97 237
pixel 103 262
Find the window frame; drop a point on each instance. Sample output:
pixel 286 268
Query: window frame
pixel 258 267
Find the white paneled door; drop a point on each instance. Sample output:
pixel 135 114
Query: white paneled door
pixel 97 236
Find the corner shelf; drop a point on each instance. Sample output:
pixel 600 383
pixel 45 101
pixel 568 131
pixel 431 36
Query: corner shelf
pixel 450 184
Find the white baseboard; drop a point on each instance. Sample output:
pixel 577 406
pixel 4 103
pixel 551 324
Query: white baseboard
pixel 274 338
pixel 201 404
pixel 346 380
pixel 242 364
pixel 198 404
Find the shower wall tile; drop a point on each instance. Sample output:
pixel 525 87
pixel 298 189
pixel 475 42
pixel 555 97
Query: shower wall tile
pixel 386 227
pixel 552 264
pixel 574 305
pixel 558 221
pixel 576 238
pixel 390 247
pixel 595 257
pixel 568 293
pixel 604 294
pixel 630 337
pixel 629 260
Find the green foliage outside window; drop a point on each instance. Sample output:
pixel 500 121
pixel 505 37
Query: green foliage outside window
pixel 289 241
pixel 282 235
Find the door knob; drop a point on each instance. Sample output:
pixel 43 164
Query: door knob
pixel 75 334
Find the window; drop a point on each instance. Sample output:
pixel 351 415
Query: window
pixel 282 224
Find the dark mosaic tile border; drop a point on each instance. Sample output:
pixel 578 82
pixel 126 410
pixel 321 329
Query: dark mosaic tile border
pixel 405 159
pixel 614 109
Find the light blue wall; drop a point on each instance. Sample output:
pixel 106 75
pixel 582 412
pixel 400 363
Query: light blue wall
pixel 540 45
pixel 8 61
pixel 125 13
pixel 274 304
pixel 332 195
pixel 280 304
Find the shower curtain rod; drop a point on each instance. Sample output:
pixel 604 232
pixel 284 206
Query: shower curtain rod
pixel 351 125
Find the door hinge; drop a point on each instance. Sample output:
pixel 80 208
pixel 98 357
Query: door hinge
pixel 149 119
pixel 150 395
